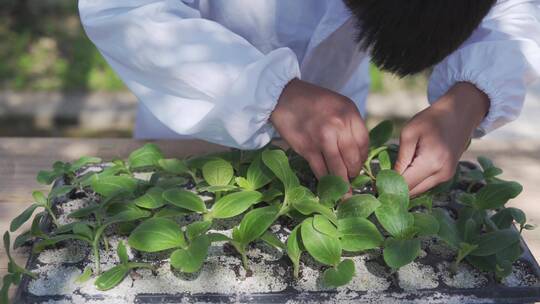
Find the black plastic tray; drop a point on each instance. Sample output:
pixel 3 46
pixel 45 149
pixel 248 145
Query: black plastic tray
pixel 493 292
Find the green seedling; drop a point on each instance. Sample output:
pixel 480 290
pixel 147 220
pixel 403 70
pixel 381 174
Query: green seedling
pixel 41 201
pixel 92 233
pixel 116 274
pixel 262 187
pixel 15 272
pixel 65 169
pixel 487 173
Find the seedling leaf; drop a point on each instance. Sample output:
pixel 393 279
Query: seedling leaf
pixel 235 203
pixel 157 234
pixel 258 174
pixel 359 205
pixel 322 225
pixel 146 156
pixel 360 181
pixel 39 198
pixel 358 234
pixel 494 196
pixel 195 229
pixel 272 240
pixel 277 162
pixel 323 248
pixel 111 277
pixel 384 160
pixel 17 222
pixel 173 166
pixel 121 251
pixel 110 185
pixel 380 134
pixel 491 242
pixel 426 224
pixel 152 199
pixel 303 200
pixel 294 250
pixel 340 275
pixel 191 259
pixel 83 161
pixel 255 223
pixel 217 172
pixel 330 189
pixel 184 199
pixel 393 215
pixel 398 253
pixel 448 231
pixel 390 182
pixel 85 276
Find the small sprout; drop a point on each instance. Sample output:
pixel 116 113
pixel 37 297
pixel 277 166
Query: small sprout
pixel 85 276
pixel 116 274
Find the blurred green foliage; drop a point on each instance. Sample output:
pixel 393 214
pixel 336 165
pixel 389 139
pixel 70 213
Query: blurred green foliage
pixel 44 48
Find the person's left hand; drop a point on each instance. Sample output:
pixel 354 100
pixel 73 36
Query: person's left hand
pixel 432 142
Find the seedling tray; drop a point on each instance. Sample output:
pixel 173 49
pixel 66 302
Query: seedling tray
pixel 491 292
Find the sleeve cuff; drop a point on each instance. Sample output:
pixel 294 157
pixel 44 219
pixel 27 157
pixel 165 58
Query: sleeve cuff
pixel 255 97
pixel 503 83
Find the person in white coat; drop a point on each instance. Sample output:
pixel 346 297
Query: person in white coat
pixel 240 72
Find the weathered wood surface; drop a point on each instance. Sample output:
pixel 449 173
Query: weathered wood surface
pixel 22 158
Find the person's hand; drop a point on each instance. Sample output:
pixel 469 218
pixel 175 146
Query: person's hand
pixel 322 126
pixel 433 141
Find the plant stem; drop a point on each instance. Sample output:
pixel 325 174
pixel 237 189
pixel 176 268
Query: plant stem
pixel 244 260
pixel 53 217
pixel 367 169
pixel 97 262
pixel 217 195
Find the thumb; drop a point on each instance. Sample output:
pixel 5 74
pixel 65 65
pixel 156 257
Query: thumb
pixel 407 149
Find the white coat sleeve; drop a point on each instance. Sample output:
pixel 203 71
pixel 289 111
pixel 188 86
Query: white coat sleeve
pixel 196 76
pixel 500 58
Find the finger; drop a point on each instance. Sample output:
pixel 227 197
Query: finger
pixel 421 168
pixel 426 185
pixel 361 137
pixel 317 164
pixel 407 148
pixel 350 153
pixel 333 160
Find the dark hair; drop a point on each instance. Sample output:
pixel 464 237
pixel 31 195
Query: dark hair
pixel 408 36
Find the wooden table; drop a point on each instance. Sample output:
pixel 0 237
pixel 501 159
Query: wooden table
pixel 22 158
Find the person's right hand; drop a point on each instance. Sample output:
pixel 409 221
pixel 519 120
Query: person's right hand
pixel 322 126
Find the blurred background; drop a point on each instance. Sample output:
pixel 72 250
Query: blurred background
pixel 54 83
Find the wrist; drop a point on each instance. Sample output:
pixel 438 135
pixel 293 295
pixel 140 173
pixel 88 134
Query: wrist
pixel 468 102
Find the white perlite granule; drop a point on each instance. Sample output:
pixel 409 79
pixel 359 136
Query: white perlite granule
pixel 74 252
pixel 465 276
pixel 372 279
pixel 54 280
pixel 68 207
pixel 415 276
pixel 521 276
pixel 217 275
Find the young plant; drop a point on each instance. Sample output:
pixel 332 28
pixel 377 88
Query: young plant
pixel 15 272
pixel 116 274
pixel 40 202
pixel 92 233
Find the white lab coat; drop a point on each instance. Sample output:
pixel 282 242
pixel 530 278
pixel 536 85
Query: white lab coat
pixel 214 69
